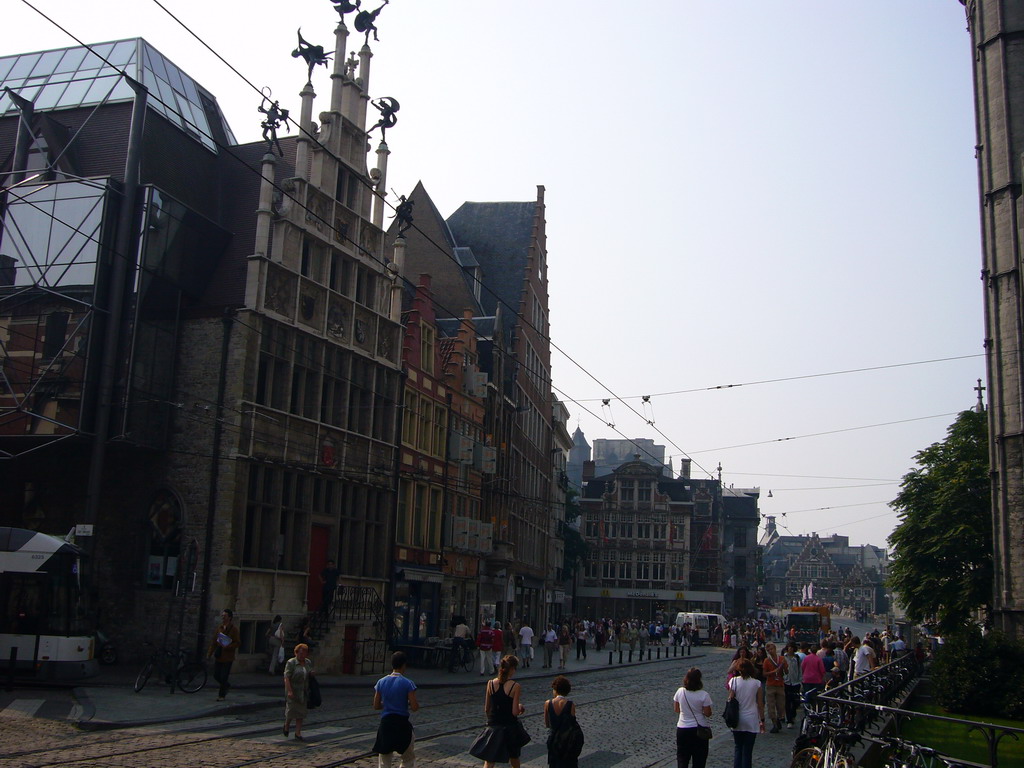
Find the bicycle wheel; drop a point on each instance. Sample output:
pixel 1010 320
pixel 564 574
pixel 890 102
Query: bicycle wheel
pixel 192 677
pixel 467 660
pixel 143 678
pixel 810 757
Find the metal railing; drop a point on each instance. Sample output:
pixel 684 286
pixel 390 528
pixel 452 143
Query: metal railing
pixel 361 604
pixel 870 705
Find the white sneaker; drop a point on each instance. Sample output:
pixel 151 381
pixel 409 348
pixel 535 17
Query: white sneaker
pixel 789 725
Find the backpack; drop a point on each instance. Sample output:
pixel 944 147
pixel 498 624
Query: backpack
pixel 567 742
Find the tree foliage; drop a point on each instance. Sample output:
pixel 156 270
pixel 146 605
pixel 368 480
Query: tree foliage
pixel 980 675
pixel 575 546
pixel 942 564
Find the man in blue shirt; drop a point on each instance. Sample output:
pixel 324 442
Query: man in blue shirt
pixel 395 696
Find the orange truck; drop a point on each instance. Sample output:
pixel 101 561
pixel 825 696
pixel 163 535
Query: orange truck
pixel 805 622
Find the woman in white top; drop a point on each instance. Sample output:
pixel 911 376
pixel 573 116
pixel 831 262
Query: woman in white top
pixel 693 705
pixel 746 689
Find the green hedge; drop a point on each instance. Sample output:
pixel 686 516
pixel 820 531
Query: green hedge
pixel 980 675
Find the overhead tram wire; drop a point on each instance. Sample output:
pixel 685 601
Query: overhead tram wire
pixel 358 247
pixel 796 378
pixel 830 432
pixel 513 310
pixel 323 369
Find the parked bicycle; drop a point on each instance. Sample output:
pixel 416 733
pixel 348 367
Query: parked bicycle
pixel 460 656
pixel 175 668
pixel 831 744
pixel 907 754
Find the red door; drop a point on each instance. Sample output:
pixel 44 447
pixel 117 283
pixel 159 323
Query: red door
pixel 319 537
pixel 348 654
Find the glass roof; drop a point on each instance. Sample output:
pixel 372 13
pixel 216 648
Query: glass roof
pixel 81 76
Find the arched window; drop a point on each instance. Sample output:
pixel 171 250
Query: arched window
pixel 163 525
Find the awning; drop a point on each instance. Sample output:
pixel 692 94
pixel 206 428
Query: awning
pixel 421 574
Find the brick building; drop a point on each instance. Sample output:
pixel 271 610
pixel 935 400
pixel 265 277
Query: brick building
pixel 234 424
pixel 488 263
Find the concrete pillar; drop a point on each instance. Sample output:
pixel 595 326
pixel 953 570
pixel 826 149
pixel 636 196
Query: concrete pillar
pixel 305 132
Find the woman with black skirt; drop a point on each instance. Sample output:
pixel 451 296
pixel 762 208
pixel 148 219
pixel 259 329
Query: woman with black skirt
pixel 504 736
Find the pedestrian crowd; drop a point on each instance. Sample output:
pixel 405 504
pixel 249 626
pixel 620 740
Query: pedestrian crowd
pixel 765 683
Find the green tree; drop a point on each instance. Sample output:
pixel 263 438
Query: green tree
pixel 575 546
pixel 942 564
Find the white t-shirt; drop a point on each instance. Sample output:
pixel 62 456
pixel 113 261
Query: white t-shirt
pixel 862 665
pixel 746 693
pixel 526 635
pixel 695 700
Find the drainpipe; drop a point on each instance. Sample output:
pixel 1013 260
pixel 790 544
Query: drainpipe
pixel 111 348
pixel 211 506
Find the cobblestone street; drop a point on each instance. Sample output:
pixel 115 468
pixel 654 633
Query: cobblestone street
pixel 626 714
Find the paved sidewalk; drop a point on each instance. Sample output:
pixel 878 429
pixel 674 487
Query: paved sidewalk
pixel 109 700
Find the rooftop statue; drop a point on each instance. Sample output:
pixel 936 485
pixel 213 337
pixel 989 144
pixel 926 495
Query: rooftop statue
pixel 313 55
pixel 364 22
pixel 274 117
pixel 344 6
pixel 403 214
pixel 387 106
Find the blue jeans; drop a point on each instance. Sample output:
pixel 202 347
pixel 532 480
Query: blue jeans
pixel 743 749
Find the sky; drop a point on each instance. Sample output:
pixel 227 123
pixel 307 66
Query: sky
pixel 762 215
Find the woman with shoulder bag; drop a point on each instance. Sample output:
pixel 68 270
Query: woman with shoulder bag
pixel 298 672
pixel 749 695
pixel 693 730
pixel 565 740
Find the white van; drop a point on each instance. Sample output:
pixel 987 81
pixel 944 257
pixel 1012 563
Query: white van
pixel 698 623
pixel 703 624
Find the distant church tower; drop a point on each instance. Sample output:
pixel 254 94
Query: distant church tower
pixel 579 453
pixel 997 28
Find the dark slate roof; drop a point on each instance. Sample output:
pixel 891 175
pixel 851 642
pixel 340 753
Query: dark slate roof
pixel 500 235
pixel 430 250
pixel 466 257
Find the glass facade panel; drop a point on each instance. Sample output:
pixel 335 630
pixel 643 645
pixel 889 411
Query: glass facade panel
pixel 52 231
pixel 23 66
pixel 50 95
pixel 123 53
pixel 174 94
pixel 74 93
pixel 5 66
pixel 100 90
pixel 46 63
pixel 71 60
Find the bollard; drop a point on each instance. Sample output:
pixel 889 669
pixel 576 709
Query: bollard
pixel 10 669
pixel 630 655
pixel 620 655
pixel 659 652
pixel 610 654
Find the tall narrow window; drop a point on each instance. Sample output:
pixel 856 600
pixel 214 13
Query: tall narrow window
pixel 56 333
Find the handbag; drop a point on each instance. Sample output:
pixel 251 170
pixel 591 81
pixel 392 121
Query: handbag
pixel 519 733
pixel 703 731
pixel 731 713
pixel 313 700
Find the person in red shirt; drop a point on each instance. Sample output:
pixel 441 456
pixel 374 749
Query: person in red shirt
pixel 812 669
pixel 484 644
